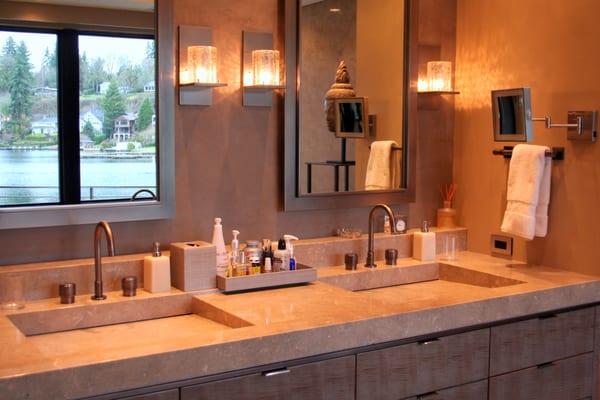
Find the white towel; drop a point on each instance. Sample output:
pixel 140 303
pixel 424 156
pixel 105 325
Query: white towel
pixel 379 168
pixel 528 192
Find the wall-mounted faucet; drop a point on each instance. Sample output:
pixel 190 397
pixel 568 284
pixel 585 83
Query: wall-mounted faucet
pixel 370 254
pixel 101 226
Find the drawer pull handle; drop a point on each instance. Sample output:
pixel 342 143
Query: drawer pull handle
pixel 427 395
pixel 542 317
pixel 545 365
pixel 276 372
pixel 426 342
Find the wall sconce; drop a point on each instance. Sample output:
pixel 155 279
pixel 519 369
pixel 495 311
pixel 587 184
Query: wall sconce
pixel 261 73
pixel 439 76
pixel 203 63
pixel 197 66
pixel 265 67
pixel 438 80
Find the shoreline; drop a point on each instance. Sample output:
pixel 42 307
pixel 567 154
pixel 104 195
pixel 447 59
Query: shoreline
pixel 87 154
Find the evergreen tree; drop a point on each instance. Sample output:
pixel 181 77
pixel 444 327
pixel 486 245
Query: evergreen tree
pixel 49 69
pixel 84 70
pixel 145 115
pixel 7 62
pixel 113 106
pixel 21 80
pixel 88 130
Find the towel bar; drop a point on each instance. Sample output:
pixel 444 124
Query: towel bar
pixel 557 153
pixel 394 148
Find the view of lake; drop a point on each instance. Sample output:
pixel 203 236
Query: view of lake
pixel 31 176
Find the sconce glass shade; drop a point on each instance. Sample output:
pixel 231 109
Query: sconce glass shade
pixel 439 75
pixel 265 66
pixel 202 61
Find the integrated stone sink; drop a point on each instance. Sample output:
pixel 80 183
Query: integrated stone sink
pixel 92 314
pixel 385 276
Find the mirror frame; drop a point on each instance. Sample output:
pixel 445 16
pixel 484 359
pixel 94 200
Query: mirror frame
pixel 293 200
pixel 120 211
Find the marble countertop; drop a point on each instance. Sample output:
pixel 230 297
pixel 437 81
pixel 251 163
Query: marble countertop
pixel 219 333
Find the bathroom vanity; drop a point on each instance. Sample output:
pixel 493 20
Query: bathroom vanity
pixel 475 328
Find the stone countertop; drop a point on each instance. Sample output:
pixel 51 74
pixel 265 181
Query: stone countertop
pixel 278 325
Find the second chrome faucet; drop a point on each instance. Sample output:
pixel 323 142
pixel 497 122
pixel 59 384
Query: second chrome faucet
pixel 370 251
pixel 101 226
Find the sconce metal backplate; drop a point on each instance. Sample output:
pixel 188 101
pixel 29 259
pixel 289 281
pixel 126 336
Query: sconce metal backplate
pixel 255 96
pixel 588 125
pixel 192 36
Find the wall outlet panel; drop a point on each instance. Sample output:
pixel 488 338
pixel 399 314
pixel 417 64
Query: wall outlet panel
pixel 502 245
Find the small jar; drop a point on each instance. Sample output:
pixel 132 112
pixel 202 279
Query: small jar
pixel 446 217
pixel 253 252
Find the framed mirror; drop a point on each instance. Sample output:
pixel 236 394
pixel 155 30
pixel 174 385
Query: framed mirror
pixel 348 105
pixel 82 130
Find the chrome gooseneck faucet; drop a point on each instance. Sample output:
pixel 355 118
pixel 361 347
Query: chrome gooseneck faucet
pixel 370 254
pixel 101 226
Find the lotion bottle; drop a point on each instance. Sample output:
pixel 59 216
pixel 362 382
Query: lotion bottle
pixel 290 251
pixel 219 242
pixel 424 244
pixel 157 271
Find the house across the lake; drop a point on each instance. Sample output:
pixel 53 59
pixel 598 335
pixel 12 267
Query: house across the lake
pixel 47 126
pixel 124 127
pixel 150 87
pixel 94 117
pixel 85 143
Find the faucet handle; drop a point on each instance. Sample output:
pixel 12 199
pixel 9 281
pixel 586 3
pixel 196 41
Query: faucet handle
pixel 67 292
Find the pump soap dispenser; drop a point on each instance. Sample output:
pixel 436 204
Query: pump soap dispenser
pixel 219 242
pixel 157 271
pixel 424 244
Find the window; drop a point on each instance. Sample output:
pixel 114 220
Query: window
pixel 70 171
pixel 78 117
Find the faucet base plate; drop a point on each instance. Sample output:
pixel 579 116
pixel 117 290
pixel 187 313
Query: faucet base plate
pixel 370 265
pixel 103 297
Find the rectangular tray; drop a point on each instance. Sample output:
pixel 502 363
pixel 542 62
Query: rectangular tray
pixel 302 274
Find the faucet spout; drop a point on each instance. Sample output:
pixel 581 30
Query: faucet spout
pixel 370 253
pixel 110 244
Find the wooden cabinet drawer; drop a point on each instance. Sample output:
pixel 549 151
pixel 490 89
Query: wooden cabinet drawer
pixel 567 379
pixel 172 394
pixel 416 368
pixel 470 391
pixel 527 343
pixel 330 379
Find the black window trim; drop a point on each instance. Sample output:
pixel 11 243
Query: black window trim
pixel 69 169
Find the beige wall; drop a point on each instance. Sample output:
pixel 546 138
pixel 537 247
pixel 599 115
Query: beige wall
pixel 549 45
pixel 379 72
pixel 228 163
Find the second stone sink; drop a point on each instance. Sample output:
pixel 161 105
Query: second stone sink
pixel 367 279
pixel 52 318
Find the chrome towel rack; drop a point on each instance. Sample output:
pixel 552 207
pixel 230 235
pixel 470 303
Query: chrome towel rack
pixel 557 153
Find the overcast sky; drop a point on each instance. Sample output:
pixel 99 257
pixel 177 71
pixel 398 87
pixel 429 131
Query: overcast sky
pixel 115 51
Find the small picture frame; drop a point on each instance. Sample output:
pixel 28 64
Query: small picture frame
pixel 351 117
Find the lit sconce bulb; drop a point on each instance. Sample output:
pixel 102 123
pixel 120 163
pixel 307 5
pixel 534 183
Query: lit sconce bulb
pixel 203 62
pixel 439 75
pixel 422 85
pixel 265 66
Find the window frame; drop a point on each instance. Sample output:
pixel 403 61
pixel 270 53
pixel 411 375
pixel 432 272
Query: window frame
pixel 43 215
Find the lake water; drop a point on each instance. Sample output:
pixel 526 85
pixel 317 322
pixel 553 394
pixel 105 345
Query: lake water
pixel 32 177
